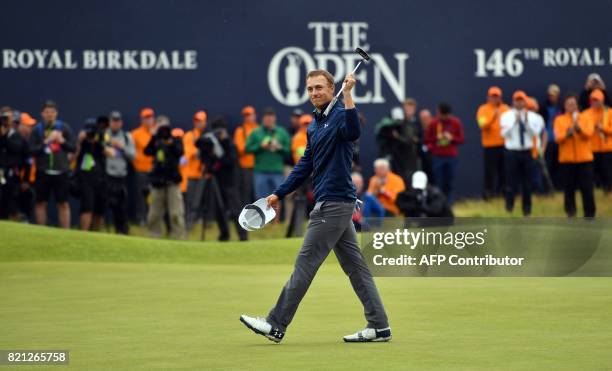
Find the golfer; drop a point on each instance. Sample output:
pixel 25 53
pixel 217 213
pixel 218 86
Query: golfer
pixel 328 155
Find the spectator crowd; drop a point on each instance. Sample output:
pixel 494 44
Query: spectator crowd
pixel 176 179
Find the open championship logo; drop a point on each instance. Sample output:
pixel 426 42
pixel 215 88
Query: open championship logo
pixel 334 51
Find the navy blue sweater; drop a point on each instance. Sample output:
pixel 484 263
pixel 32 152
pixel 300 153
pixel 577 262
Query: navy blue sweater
pixel 328 156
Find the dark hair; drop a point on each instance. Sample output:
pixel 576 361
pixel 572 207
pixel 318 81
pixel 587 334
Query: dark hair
pixel 269 111
pixel 103 120
pixel 218 123
pixel 49 104
pixel 570 95
pixel 445 108
pixel 328 76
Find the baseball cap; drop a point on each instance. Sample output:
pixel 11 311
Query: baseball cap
pixel 553 89
pixel 147 112
pixel 597 95
pixel 248 110
pixel 256 215
pixel 200 116
pixel 90 121
pixel 519 94
pixel 27 120
pixel 305 119
pixel 297 112
pixel 115 115
pixel 494 91
pixel 594 76
pixel 419 180
pixel 162 120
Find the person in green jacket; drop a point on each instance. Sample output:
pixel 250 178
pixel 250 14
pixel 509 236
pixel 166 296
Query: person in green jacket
pixel 270 144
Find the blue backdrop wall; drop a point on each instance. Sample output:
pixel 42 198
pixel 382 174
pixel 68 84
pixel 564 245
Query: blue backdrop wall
pixel 180 56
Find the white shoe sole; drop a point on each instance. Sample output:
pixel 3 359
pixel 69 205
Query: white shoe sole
pixel 267 336
pixel 375 340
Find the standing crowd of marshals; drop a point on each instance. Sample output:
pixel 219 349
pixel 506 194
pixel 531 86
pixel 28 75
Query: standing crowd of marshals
pixel 518 143
pixel 169 175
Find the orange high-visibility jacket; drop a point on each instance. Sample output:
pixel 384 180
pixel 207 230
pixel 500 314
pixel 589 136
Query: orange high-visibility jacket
pixel 142 163
pixel 242 132
pixel 298 144
pixel 601 141
pixel 193 167
pixel 577 147
pixel 394 184
pixel 488 122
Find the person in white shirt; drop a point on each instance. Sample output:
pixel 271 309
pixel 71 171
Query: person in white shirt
pixel 518 127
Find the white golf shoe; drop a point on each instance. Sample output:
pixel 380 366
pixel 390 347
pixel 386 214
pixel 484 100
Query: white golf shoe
pixel 260 326
pixel 369 335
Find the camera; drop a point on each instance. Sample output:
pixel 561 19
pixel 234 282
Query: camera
pixel 210 148
pixel 163 132
pixel 91 130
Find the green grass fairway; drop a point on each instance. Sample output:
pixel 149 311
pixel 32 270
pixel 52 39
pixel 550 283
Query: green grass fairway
pixel 138 304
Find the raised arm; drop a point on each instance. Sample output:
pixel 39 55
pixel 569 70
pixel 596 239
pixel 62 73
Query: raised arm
pixel 350 129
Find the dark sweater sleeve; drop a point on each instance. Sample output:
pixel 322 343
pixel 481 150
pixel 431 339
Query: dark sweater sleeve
pixel 458 138
pixel 298 175
pixel 430 134
pixel 350 130
pixel 177 147
pixel 36 143
pixel 69 144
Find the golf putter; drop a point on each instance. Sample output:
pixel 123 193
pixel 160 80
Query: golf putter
pixel 364 57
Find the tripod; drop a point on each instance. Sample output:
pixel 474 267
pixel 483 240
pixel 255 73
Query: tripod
pixel 211 195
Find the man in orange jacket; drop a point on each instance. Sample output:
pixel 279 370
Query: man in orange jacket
pixel 385 186
pixel 492 142
pixel 573 132
pixel 601 140
pixel 300 138
pixel 191 168
pixel 143 164
pixel 245 160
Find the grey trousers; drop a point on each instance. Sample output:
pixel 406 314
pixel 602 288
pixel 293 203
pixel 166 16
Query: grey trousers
pixel 167 199
pixel 330 227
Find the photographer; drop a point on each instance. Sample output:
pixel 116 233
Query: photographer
pixel 398 141
pixel 119 149
pixel 28 170
pixel 423 200
pixel 13 155
pixel 219 159
pixel 51 143
pixel 90 176
pixel 165 178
